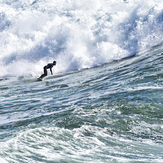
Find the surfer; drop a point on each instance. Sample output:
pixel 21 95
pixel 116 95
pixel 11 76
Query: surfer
pixel 48 66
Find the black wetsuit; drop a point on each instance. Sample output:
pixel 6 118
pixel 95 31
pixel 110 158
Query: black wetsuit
pixel 48 66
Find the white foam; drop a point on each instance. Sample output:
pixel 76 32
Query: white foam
pixel 3 161
pixel 78 34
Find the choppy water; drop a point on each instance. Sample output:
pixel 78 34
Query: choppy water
pixel 111 113
pixel 104 102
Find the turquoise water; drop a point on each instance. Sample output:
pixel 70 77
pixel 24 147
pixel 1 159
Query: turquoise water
pixel 110 113
pixel 104 102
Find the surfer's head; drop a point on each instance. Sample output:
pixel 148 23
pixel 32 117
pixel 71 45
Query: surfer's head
pixel 54 63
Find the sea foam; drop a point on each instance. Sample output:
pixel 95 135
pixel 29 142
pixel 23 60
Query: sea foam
pixel 77 34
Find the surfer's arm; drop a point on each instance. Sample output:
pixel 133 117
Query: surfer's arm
pixel 51 71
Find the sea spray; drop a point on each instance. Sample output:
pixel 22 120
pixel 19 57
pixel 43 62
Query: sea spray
pixel 78 34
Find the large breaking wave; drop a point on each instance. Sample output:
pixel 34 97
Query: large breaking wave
pixel 77 34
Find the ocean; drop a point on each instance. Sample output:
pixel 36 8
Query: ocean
pixel 104 101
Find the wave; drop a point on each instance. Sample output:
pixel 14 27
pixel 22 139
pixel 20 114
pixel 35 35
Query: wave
pixel 77 34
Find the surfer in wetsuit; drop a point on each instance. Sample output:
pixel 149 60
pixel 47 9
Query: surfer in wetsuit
pixel 48 66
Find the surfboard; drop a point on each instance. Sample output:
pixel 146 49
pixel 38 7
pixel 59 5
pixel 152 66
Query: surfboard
pixel 39 79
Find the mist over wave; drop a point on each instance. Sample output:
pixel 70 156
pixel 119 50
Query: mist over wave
pixel 77 34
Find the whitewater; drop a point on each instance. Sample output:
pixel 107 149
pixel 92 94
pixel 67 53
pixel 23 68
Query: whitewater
pixel 103 102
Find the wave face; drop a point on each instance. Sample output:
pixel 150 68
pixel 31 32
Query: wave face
pixel 77 34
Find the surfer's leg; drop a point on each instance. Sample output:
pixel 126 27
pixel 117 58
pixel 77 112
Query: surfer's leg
pixel 45 73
